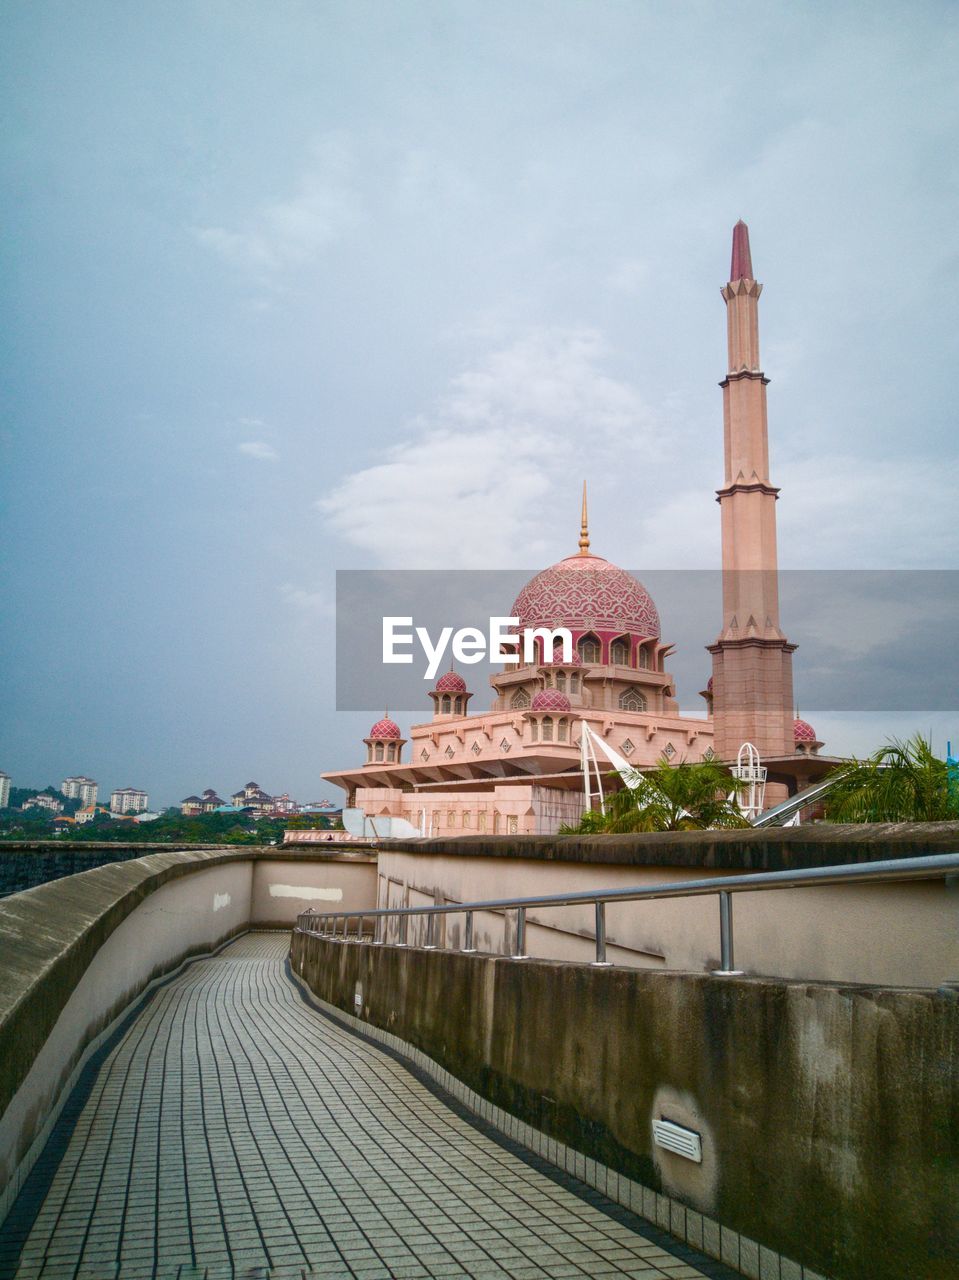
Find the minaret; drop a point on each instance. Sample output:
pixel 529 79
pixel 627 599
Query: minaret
pixel 752 659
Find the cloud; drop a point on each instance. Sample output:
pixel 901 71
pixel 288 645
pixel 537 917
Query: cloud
pixel 292 232
pixel 312 604
pixel 258 449
pixel 477 485
pixel 628 275
pixel 855 511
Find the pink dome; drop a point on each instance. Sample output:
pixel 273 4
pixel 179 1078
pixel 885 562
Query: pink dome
pixel 550 700
pixel 575 659
pixel 587 593
pixel 452 682
pixel 385 728
pixel 803 731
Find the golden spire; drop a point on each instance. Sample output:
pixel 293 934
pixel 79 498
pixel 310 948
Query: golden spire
pixel 584 528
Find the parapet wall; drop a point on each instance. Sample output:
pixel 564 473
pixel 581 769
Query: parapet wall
pixel 829 1115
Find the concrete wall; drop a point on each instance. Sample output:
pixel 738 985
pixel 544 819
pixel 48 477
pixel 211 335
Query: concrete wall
pixel 829 1115
pixel 75 953
pixel 883 934
pixel 283 887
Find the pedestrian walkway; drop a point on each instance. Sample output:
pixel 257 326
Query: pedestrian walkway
pixel 233 1130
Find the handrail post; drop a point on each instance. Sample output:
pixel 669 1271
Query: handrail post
pixel 378 924
pixel 402 930
pixel 726 937
pixel 468 935
pixel 430 944
pixel 601 962
pixel 520 952
pixel 359 929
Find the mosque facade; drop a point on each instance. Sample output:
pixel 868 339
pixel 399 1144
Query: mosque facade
pixel 516 767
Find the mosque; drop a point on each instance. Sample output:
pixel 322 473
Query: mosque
pixel 516 768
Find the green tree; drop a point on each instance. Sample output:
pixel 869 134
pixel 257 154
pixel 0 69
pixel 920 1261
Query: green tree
pixel 901 782
pixel 681 797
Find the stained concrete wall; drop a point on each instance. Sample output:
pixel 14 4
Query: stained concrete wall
pixel 829 1115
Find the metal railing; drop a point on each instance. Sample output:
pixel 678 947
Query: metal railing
pixel 350 926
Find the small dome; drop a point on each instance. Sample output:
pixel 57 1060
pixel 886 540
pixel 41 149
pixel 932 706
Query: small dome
pixel 452 682
pixel 385 728
pixel 550 700
pixel 803 731
pixel 575 660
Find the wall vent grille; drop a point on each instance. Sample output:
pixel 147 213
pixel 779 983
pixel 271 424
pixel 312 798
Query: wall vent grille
pixel 681 1141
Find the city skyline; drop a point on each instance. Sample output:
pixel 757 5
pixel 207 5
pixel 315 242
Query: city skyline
pixel 282 307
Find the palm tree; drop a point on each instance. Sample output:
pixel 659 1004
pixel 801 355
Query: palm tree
pixel 680 797
pixel 901 782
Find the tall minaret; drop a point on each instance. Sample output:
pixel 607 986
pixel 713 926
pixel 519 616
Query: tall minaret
pixel 752 659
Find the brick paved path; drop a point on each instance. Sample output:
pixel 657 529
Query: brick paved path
pixel 235 1131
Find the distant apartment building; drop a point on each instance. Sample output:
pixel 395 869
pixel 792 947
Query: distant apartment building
pixel 4 789
pixel 80 788
pixel 128 800
pixel 252 797
pixel 206 803
pixel 44 802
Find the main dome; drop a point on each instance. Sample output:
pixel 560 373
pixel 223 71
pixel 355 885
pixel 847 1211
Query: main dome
pixel 586 593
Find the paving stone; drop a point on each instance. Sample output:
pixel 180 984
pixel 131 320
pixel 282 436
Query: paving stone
pixel 235 1125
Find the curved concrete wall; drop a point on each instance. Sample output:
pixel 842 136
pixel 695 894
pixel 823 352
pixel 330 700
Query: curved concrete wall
pixel 77 951
pixel 827 1113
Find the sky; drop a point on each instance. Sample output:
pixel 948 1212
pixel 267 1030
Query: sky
pixel 293 287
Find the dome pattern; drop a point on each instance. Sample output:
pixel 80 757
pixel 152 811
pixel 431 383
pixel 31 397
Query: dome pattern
pixel 452 682
pixel 385 728
pixel 550 700
pixel 575 659
pixel 587 593
pixel 803 731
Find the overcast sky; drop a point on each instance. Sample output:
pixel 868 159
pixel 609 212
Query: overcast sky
pixel 298 286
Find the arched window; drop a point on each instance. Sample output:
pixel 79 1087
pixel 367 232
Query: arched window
pixel 467 818
pixel 589 648
pixel 451 819
pixel 391 751
pixel 458 705
pixel 561 681
pixel 574 682
pixel 548 679
pixel 496 822
pixel 445 704
pixel 519 700
pixel 632 700
pixel 619 653
pixel 644 657
pixel 533 731
pixel 481 822
pixel 378 752
pixel 563 730
pixel 547 728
